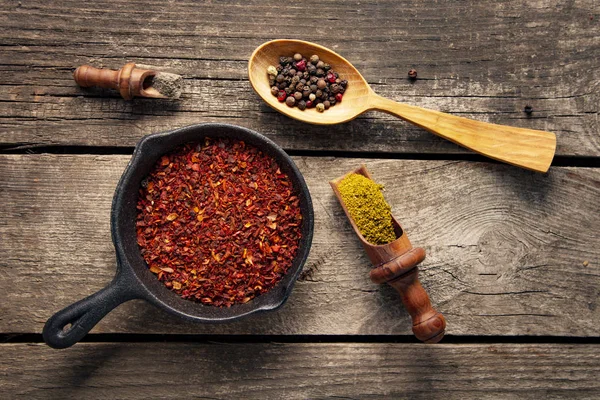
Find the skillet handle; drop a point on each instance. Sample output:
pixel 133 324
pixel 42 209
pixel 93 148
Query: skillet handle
pixel 85 314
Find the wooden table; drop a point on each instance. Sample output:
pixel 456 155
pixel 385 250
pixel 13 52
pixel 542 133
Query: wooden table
pixel 513 256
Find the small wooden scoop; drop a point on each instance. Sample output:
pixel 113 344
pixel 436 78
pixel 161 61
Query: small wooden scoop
pixel 129 80
pixel 396 263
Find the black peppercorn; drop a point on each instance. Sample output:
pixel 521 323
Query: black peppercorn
pixel 412 74
pixel 528 109
pixel 306 83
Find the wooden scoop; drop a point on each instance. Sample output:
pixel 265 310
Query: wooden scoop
pixel 396 263
pixel 129 80
pixel 522 147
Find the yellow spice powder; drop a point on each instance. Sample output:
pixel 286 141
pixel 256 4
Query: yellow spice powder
pixel 368 208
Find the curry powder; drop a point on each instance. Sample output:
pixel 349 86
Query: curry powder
pixel 368 208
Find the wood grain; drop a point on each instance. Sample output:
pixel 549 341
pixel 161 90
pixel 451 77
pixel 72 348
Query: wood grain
pixel 483 60
pixel 505 249
pixel 291 371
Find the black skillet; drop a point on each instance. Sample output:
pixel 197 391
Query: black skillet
pixel 133 279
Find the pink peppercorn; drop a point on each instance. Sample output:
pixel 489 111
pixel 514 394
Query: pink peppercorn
pixel 338 97
pixel 301 65
pixel 281 96
pixel 331 78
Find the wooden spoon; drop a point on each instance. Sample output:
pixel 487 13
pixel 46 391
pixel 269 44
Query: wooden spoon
pixel 396 263
pixel 522 147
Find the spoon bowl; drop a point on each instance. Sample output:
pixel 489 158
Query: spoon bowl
pixel 527 148
pixel 356 98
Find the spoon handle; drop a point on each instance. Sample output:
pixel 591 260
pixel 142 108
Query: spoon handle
pixel 522 147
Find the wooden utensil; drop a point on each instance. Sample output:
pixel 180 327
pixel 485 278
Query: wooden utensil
pixel 522 147
pixel 396 263
pixel 129 80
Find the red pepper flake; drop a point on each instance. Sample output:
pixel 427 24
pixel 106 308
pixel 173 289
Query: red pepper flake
pixel 172 217
pixel 218 222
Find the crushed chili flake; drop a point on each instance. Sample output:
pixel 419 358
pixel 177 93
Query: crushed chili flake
pixel 218 222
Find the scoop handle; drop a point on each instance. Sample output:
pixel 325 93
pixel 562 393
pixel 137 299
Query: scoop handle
pixel 527 148
pixel 88 76
pixel 402 274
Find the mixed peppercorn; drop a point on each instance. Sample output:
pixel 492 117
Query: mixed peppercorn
pixel 306 83
pixel 218 222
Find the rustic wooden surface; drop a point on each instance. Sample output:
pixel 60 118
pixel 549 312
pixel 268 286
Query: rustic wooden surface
pixel 513 256
pixel 296 371
pixel 485 60
pixel 505 248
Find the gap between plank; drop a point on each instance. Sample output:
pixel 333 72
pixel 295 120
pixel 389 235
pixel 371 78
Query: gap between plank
pixel 559 161
pixel 177 338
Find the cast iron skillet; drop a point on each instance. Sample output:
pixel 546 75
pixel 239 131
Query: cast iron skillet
pixel 133 280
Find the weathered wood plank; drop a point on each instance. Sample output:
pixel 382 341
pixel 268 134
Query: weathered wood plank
pixel 291 371
pixel 506 249
pixel 484 60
